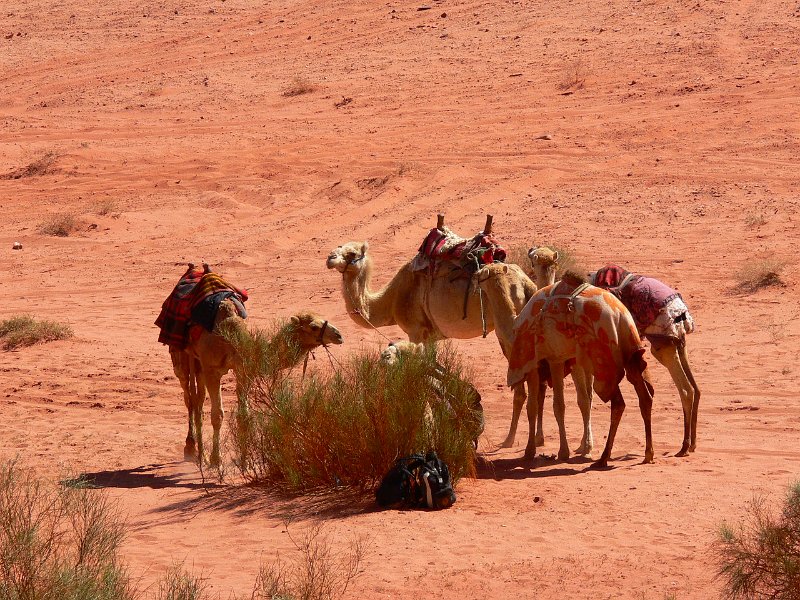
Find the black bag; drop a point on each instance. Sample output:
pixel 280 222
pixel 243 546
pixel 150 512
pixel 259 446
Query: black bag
pixel 417 481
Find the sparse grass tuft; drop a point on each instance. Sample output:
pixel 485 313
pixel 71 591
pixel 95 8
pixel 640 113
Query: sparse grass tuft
pixel 574 76
pixel 24 330
pixel 299 86
pixel 344 430
pixel 759 274
pixel 103 207
pixel 60 225
pixel 761 557
pixel 58 542
pixel 40 166
pixel 320 574
pixel 179 584
pixel 754 219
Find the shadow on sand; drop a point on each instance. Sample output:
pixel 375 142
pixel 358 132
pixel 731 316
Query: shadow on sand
pixel 147 476
pixel 543 465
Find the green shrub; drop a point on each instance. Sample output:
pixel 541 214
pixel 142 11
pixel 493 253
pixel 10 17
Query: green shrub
pixel 347 427
pixel 24 330
pixel 58 543
pixel 761 557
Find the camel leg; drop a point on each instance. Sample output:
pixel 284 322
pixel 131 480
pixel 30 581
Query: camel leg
pixel 583 386
pixel 557 372
pixel 533 411
pixel 645 393
pixel 180 366
pixel 540 415
pixel 668 356
pixel 212 380
pixel 617 408
pixel 519 400
pixel 198 393
pixel 696 404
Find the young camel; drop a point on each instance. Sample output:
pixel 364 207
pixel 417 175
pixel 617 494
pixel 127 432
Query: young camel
pixel 662 317
pixel 572 321
pixel 493 281
pixel 206 360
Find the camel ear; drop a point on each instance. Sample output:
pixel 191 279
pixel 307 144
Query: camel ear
pixel 505 269
pixel 532 252
pixel 364 248
pixel 295 320
pixel 555 256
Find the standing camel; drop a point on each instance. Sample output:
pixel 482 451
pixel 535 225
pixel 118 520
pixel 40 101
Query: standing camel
pixel 206 359
pixel 662 317
pixel 573 321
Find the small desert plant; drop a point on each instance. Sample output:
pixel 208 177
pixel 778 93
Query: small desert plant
pixel 58 542
pixel 299 86
pixel 60 225
pixel 759 274
pixel 104 207
pixel 40 166
pixel 755 219
pixel 24 330
pixel 574 76
pixel 345 429
pixel 179 584
pixel 761 557
pixel 321 573
pixel 566 259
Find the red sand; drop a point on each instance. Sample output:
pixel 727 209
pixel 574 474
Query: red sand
pixel 680 129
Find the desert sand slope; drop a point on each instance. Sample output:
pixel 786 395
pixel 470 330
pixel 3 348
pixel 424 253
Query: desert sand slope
pixel 671 145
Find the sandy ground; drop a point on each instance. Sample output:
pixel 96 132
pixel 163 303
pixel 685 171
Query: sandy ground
pixel 675 140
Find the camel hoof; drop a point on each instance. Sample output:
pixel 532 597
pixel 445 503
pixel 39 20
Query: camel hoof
pixel 693 447
pixel 648 459
pixel 530 455
pixel 507 443
pixel 189 454
pixel 583 450
pixel 539 439
pixel 684 451
pixel 599 465
pixel 563 454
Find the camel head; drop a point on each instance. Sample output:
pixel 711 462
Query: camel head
pixel 312 330
pixel 544 262
pixel 397 349
pixel 493 276
pixel 348 256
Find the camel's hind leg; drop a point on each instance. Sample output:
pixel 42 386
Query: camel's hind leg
pixel 696 404
pixel 583 385
pixel 644 390
pixel 181 368
pixel 557 373
pixel 519 401
pixel 212 381
pixel 668 356
pixel 198 398
pixel 617 408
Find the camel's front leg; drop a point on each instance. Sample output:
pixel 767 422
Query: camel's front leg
pixel 519 401
pixel 541 391
pixel 668 356
pixel 180 366
pixel 557 372
pixel 682 354
pixel 212 380
pixel 583 386
pixel 533 411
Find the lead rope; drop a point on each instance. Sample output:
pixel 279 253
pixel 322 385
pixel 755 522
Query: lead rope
pixel 480 300
pixel 357 311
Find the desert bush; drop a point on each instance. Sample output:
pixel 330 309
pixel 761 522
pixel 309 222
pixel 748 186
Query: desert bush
pixel 179 584
pixel 755 219
pixel 59 225
pixel 761 557
pixel 574 75
pixel 103 207
pixel 345 428
pixel 759 274
pixel 566 259
pixel 322 573
pixel 299 86
pixel 40 166
pixel 24 330
pixel 58 542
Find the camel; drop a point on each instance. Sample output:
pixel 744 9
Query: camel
pixel 493 280
pixel 666 334
pixel 426 309
pixel 573 321
pixel 544 263
pixel 203 363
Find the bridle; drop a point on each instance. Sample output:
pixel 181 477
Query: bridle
pixel 321 338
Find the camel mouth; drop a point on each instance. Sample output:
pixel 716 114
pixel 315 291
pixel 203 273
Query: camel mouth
pixel 332 263
pixel 336 339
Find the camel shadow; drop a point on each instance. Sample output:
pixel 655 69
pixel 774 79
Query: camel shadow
pixel 252 500
pixel 146 476
pixel 541 466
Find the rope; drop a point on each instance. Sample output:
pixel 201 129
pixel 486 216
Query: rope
pixel 480 298
pixel 357 311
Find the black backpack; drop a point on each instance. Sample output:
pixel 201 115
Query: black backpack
pixel 417 480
